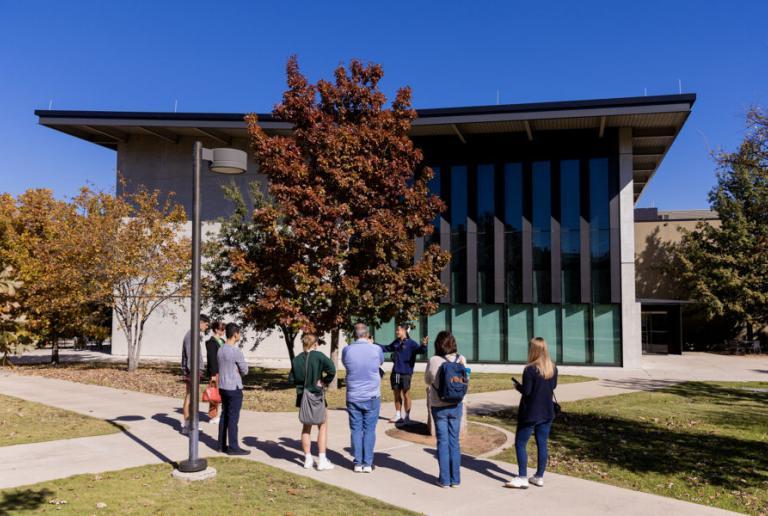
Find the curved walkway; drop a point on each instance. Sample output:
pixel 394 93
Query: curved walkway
pixel 404 475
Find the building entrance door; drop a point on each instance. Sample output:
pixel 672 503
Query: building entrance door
pixel 655 332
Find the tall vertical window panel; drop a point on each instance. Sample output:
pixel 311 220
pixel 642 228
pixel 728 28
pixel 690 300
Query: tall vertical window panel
pixel 607 334
pixel 575 334
pixel 541 211
pixel 519 328
pixel 513 227
pixel 570 241
pixel 437 322
pixel 458 214
pixel 490 332
pixel 464 329
pixel 435 189
pixel 599 229
pixel 546 324
pixel 484 218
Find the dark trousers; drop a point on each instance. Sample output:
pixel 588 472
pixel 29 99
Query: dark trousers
pixel 231 403
pixel 522 435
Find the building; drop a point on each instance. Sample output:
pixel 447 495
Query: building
pixel 668 317
pixel 540 217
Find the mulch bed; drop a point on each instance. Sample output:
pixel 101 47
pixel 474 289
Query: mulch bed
pixel 480 439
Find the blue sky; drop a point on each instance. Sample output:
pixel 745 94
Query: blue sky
pixel 144 56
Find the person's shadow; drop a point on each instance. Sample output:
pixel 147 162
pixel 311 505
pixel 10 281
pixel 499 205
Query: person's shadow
pixel 275 450
pixel 484 467
pixel 209 441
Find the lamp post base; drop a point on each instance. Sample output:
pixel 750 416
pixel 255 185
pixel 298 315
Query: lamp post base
pixel 192 466
pixel 205 474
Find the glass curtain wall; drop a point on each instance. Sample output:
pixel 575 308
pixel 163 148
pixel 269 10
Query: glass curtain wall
pixel 584 327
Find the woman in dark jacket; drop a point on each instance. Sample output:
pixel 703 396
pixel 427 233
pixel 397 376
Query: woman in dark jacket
pixel 320 371
pixel 535 413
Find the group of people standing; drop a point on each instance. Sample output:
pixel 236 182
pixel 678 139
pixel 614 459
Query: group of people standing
pixel 446 377
pixel 225 366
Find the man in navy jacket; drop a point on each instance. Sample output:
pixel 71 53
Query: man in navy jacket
pixel 404 351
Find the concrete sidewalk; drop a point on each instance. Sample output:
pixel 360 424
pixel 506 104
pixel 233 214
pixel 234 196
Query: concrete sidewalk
pixel 404 473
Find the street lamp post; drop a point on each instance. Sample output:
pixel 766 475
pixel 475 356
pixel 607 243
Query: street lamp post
pixel 222 161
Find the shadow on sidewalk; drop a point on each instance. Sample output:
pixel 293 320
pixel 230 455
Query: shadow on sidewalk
pixel 274 450
pixel 154 451
pixel 484 467
pixel 337 458
pixel 209 441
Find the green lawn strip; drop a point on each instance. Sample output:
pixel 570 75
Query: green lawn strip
pixel 24 422
pixel 265 389
pixel 701 442
pixel 240 487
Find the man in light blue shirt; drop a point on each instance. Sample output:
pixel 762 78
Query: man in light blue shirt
pixel 362 360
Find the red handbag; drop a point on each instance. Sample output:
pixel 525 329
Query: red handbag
pixel 211 394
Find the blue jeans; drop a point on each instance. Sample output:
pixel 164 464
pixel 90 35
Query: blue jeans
pixel 231 403
pixel 447 427
pixel 363 416
pixel 522 435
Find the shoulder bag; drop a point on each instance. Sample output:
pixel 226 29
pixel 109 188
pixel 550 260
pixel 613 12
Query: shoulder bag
pixel 312 410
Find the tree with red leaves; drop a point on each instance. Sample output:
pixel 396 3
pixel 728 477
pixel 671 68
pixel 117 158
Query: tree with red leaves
pixel 348 199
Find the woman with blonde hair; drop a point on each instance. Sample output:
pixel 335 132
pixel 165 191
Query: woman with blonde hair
pixel 313 371
pixel 535 413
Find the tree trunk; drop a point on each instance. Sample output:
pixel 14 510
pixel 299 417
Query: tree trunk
pixel 335 358
pixel 55 351
pixel 290 338
pixel 750 331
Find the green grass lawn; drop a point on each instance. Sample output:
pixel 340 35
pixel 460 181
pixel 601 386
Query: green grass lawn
pixel 240 487
pixel 23 422
pixel 266 390
pixel 702 442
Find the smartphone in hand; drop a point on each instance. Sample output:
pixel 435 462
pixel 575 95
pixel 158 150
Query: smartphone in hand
pixel 514 380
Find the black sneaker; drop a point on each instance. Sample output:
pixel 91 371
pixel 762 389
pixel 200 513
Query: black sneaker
pixel 238 451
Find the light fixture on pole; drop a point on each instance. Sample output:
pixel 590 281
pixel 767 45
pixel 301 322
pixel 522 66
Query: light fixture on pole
pixel 222 161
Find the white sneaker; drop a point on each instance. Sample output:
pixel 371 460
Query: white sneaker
pixel 215 421
pixel 518 483
pixel 324 464
pixel 308 462
pixel 537 481
pixel 358 468
pixel 185 428
pixel 367 469
pixel 396 418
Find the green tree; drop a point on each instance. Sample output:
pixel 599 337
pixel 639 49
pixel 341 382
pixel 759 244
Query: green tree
pixel 14 333
pixel 348 197
pixel 726 267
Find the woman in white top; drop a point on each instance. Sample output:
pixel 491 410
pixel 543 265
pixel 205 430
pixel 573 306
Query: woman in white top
pixel 446 415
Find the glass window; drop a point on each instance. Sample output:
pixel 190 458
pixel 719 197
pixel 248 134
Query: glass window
pixel 546 322
pixel 575 334
pixel 436 323
pixel 599 230
pixel 486 202
pixel 513 265
pixel 385 333
pixel 489 332
pixel 463 329
pixel 541 223
pixel 459 267
pixel 518 332
pixel 570 244
pixel 434 188
pixel 486 213
pixel 458 206
pixel 513 196
pixel 607 327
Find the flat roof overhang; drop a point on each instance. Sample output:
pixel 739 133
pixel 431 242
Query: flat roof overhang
pixel 655 122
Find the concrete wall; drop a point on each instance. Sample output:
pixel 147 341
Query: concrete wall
pixel 653 240
pixel 166 166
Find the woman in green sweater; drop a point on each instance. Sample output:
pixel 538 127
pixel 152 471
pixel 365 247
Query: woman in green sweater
pixel 320 371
